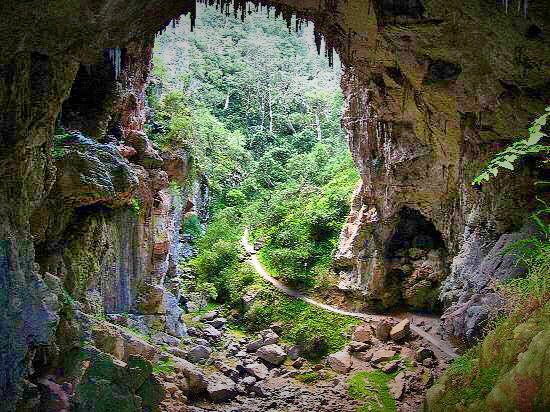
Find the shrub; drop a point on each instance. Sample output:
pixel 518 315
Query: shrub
pixel 192 226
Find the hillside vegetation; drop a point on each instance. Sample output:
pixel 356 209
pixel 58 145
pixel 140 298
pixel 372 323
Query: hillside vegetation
pixel 259 110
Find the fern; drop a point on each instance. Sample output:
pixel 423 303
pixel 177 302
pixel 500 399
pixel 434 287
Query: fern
pixel 506 158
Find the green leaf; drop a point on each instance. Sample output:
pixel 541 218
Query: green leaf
pixel 494 171
pixel 534 138
pixel 506 165
pixel 541 121
pixel 510 158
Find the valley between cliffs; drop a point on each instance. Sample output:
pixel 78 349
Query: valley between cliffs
pixel 102 199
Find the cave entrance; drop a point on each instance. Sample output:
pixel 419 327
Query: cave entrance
pixel 258 105
pixel 415 257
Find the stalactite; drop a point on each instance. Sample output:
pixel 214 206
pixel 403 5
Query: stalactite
pixel 115 58
pixel 240 8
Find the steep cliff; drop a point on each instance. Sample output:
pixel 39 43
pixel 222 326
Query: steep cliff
pixel 432 89
pixel 444 87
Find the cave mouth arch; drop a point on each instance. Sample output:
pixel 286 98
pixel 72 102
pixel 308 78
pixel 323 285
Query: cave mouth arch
pixel 416 261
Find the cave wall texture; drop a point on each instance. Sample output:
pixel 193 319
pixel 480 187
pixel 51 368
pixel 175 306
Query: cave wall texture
pixel 432 89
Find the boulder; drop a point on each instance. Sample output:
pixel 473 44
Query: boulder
pixel 249 381
pixel 382 355
pixel 177 352
pixel 401 331
pixel 195 377
pixel 298 363
pixel 408 353
pixel 161 338
pixel 258 370
pixel 198 354
pixel 424 353
pixel 363 333
pixel 358 347
pixel 218 323
pixel 294 352
pixel 383 329
pixel 228 371
pixel 273 354
pixel 220 388
pixel 397 386
pixel 210 332
pixel 208 316
pixel 391 367
pixel 269 337
pixel 255 345
pixel 340 361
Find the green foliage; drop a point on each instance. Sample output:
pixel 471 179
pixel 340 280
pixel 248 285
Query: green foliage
pixel 300 220
pixel 260 114
pixel 315 330
pixel 209 289
pixel 308 377
pixel 192 226
pixel 372 389
pixel 135 206
pixel 532 253
pixel 219 252
pixel 60 137
pixel 164 366
pixel 519 149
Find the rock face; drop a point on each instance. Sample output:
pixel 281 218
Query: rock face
pixel 415 137
pixel 425 106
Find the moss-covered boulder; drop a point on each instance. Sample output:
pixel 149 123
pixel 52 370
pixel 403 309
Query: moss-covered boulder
pixel 507 371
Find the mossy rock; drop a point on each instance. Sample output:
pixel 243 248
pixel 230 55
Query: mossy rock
pixel 109 385
pixel 138 370
pixel 101 395
pixel 151 394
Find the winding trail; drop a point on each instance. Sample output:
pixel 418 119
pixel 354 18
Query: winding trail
pixel 436 341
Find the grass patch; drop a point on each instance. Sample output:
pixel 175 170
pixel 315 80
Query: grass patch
pixel 317 331
pixel 164 366
pixel 208 308
pixel 372 389
pixel 308 377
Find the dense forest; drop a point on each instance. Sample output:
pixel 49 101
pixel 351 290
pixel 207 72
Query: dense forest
pixel 260 112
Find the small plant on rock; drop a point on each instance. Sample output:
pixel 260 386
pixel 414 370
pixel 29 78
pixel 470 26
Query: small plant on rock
pixel 135 206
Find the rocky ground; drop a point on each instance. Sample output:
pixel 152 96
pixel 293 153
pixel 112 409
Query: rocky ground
pixel 261 373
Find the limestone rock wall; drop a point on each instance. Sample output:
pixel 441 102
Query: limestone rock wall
pixel 443 87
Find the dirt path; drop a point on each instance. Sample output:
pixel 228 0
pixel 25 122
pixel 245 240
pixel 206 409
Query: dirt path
pixel 436 341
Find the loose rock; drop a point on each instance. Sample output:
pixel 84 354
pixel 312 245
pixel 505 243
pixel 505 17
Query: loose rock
pixel 220 388
pixel 340 361
pixel 273 354
pixel 401 331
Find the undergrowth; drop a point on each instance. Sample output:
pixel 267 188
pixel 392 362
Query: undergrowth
pixel 372 389
pixel 164 366
pixel 471 377
pixel 316 331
